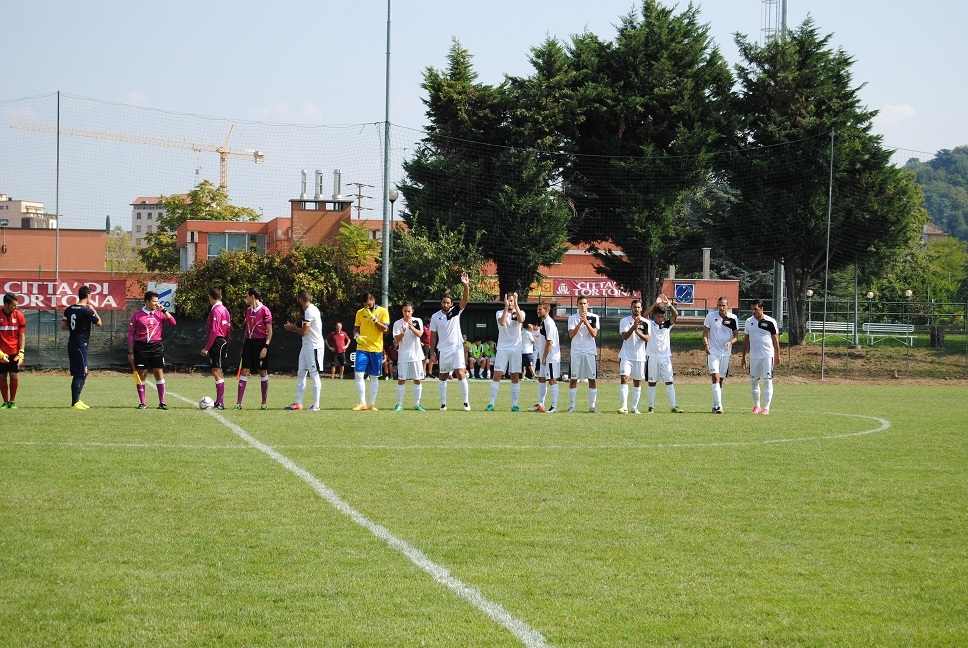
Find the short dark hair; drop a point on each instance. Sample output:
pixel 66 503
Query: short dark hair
pixel 254 292
pixel 83 292
pixel 215 293
pixel 757 302
pixel 635 301
pixel 365 297
pixel 303 296
pixel 9 298
pixel 658 310
pixel 151 294
pixel 407 303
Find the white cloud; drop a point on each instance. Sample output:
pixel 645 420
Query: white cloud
pixel 893 114
pixel 135 98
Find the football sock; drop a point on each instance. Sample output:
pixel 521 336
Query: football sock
pixel 592 397
pixel 717 395
pixel 264 383
pixel 317 387
pixel 141 393
pixel 220 392
pixel 767 393
pixel 671 394
pixel 300 386
pixel 417 393
pixel 651 395
pixel 636 396
pixel 542 392
pixel 465 389
pixel 755 390
pixel 161 390
pixel 77 385
pixel 14 383
pixel 572 396
pixel 554 395
pixel 360 388
pixel 243 381
pixel 374 390
pixel 515 393
pixel 495 387
pixel 442 390
pixel 401 391
pixel 623 395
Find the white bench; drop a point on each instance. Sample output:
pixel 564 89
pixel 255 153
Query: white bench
pixel 818 329
pixel 903 333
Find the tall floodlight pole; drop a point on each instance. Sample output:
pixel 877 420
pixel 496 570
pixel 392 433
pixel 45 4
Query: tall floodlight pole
pixel 385 279
pixel 57 198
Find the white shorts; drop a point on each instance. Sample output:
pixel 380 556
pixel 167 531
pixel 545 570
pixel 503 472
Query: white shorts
pixel 583 366
pixel 660 370
pixel 550 371
pixel 718 364
pixel 508 361
pixel 761 369
pixel 410 370
pixel 634 369
pixel 310 360
pixel 450 360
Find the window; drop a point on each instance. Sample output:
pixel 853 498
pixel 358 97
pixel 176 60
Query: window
pixel 138 229
pixel 150 215
pixel 138 216
pixel 235 241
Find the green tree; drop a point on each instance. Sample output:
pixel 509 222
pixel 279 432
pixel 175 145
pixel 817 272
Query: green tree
pixel 204 202
pixel 944 181
pixel 478 168
pixel 120 254
pixel 335 274
pixel 654 106
pixel 426 266
pixel 794 92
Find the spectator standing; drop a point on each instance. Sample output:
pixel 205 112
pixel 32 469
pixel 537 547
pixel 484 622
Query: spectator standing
pixel 337 342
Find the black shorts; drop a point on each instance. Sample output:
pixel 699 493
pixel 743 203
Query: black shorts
pixel 251 349
pixel 77 355
pixel 218 352
pixel 339 359
pixel 10 366
pixel 149 355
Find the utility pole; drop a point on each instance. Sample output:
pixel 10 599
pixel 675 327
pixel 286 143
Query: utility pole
pixel 359 198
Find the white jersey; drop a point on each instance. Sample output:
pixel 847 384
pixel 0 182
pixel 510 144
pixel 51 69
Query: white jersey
pixel 509 336
pixel 633 349
pixel 583 342
pixel 548 331
pixel 527 342
pixel 313 339
pixel 721 330
pixel 409 349
pixel 659 345
pixel 447 328
pixel 760 336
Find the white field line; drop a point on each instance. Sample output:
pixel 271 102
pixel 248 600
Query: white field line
pixel 883 426
pixel 521 630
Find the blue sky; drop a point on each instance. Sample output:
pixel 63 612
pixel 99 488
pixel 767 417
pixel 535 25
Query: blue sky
pixel 323 63
pixel 312 63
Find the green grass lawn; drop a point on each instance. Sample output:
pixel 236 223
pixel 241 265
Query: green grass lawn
pixel 838 520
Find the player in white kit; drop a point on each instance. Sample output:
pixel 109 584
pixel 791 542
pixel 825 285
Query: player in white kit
pixel 634 330
pixel 447 344
pixel 583 329
pixel 762 342
pixel 510 322
pixel 407 332
pixel 719 333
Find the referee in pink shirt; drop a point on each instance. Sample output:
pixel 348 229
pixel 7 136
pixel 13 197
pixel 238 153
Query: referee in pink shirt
pixel 145 350
pixel 219 325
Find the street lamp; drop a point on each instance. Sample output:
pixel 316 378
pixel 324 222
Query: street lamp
pixel 809 305
pixel 870 309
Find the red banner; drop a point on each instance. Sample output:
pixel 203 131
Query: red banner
pixel 51 294
pixel 590 288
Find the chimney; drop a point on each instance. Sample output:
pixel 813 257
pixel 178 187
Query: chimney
pixel 705 263
pixel 319 185
pixel 337 184
pixel 302 194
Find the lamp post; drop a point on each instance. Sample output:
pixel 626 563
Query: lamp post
pixel 809 305
pixel 870 308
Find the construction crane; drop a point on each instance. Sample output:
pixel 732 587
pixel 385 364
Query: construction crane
pixel 224 152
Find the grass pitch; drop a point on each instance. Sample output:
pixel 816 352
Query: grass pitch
pixel 838 520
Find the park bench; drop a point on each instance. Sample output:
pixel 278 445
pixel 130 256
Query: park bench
pixel 818 329
pixel 903 333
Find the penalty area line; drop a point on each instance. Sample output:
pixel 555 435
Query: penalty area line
pixel 527 635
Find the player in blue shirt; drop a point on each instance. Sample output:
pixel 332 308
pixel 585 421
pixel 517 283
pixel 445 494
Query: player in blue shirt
pixel 78 319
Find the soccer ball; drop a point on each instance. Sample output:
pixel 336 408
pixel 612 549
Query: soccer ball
pixel 206 403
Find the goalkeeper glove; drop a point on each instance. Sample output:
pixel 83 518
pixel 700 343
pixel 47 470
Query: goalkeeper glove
pixel 358 339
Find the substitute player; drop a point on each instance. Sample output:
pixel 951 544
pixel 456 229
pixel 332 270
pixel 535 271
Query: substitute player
pixel 508 359
pixel 372 322
pixel 407 333
pixel 219 326
pixel 78 318
pixel 761 340
pixel 583 329
pixel 255 346
pixel 145 349
pixel 720 330
pixel 548 348
pixel 447 344
pixel 311 352
pixel 659 350
pixel 13 340
pixel 634 330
